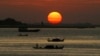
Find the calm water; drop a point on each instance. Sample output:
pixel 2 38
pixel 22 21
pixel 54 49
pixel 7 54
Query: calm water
pixel 78 42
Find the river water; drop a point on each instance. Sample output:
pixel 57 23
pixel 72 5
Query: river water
pixel 77 42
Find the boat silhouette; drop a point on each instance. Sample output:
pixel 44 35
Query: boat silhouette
pixel 48 47
pixel 23 35
pixel 26 30
pixel 55 40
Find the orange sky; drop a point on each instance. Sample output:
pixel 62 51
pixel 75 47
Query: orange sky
pixel 73 11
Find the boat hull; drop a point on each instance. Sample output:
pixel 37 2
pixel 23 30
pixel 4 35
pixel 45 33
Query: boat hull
pixel 55 40
pixel 35 30
pixel 48 47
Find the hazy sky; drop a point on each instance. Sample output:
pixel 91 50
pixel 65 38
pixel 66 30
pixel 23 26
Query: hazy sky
pixel 32 11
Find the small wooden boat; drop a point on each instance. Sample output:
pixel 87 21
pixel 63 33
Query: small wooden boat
pixel 55 40
pixel 48 47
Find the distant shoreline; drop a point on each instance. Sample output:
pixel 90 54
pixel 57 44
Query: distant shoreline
pixel 11 23
pixel 45 26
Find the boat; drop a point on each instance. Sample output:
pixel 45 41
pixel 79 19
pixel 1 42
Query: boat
pixel 26 30
pixel 55 40
pixel 23 35
pixel 48 47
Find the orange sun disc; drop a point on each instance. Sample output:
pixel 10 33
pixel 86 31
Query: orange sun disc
pixel 54 18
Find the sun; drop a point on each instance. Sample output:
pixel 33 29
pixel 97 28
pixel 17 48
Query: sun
pixel 54 18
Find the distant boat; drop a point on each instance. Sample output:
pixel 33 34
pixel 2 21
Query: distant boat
pixel 90 26
pixel 23 35
pixel 85 27
pixel 55 40
pixel 26 30
pixel 48 47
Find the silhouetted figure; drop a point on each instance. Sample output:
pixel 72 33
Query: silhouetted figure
pixel 42 23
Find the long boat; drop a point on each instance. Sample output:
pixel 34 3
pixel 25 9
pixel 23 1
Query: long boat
pixel 49 47
pixel 55 40
pixel 26 30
